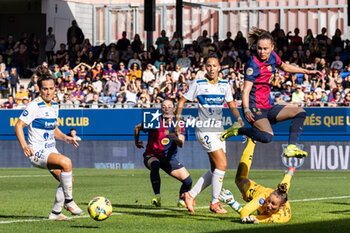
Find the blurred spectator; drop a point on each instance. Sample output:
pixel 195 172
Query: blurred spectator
pixel 73 133
pixel 295 40
pixel 60 54
pixel 337 41
pixel 322 38
pixel 337 64
pixel 108 72
pixel 81 71
pixel 148 75
pixel 21 95
pixel 135 59
pixel 162 42
pixel 9 104
pixel 21 59
pixel 346 83
pixel 136 44
pixel 102 53
pixel 123 43
pixel 119 102
pixel 112 87
pixel 176 38
pixel 14 80
pixel 298 96
pixel 97 70
pixel 202 39
pixel 308 39
pixel 123 73
pixel 97 85
pixel 50 44
pixel 130 95
pixel 56 71
pixel 4 76
pixel 113 54
pixel 77 96
pixel 66 103
pixel 75 34
pixel 135 72
pixel 347 100
pixel 23 104
pixel 95 103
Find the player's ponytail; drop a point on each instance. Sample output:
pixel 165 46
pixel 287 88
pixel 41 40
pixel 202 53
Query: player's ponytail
pixel 257 34
pixel 281 192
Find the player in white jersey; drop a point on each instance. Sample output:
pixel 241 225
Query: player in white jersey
pixel 211 94
pixel 41 118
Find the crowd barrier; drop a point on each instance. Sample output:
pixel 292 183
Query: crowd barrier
pixel 321 124
pixel 330 155
pixel 107 141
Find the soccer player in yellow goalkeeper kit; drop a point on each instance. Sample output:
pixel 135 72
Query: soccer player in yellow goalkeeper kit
pixel 271 205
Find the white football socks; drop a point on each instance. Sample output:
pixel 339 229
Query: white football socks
pixel 59 200
pixel 66 183
pixel 216 184
pixel 203 182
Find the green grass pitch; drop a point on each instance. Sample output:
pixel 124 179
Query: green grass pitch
pixel 320 202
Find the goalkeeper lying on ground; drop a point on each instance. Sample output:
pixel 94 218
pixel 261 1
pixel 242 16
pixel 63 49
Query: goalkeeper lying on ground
pixel 271 205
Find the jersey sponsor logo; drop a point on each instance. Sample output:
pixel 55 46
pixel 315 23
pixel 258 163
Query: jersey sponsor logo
pixel 292 162
pixel 165 141
pixel 41 123
pixel 151 119
pixel 249 71
pixel 211 99
pixel 261 201
pixel 50 145
pixel 25 113
pixel 46 136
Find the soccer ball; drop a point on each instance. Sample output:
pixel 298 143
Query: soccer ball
pixel 99 208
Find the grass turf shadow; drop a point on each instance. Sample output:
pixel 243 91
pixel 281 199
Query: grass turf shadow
pixel 334 226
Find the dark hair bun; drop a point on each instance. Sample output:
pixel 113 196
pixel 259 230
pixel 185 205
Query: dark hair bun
pixel 282 188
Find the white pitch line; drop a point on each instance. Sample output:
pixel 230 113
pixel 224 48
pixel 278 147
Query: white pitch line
pixel 162 210
pixel 321 198
pixel 23 176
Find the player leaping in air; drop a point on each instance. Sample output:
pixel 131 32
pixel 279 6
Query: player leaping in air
pixel 271 205
pixel 40 116
pixel 258 76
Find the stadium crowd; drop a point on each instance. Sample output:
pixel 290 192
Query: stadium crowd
pixel 126 75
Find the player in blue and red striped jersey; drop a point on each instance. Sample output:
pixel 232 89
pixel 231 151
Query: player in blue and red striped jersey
pixel 259 74
pixel 161 151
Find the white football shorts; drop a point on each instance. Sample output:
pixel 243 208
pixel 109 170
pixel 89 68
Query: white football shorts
pixel 41 155
pixel 210 141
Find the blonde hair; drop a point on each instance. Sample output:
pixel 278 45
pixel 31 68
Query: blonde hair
pixel 14 70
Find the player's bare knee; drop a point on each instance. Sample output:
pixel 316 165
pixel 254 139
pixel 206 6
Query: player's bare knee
pixel 66 164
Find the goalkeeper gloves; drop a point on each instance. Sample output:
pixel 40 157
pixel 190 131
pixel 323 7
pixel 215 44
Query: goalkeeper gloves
pixel 249 219
pixel 227 197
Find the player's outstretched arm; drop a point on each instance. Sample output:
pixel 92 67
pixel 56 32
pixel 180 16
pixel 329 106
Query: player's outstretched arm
pixel 137 129
pixel 178 113
pixel 235 112
pixel 178 139
pixel 294 69
pixel 61 136
pixel 28 151
pixel 245 101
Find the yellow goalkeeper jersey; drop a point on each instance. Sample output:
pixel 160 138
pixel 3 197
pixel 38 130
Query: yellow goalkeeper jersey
pixel 257 195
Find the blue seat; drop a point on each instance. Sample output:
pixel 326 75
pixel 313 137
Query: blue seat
pixel 344 74
pixel 300 78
